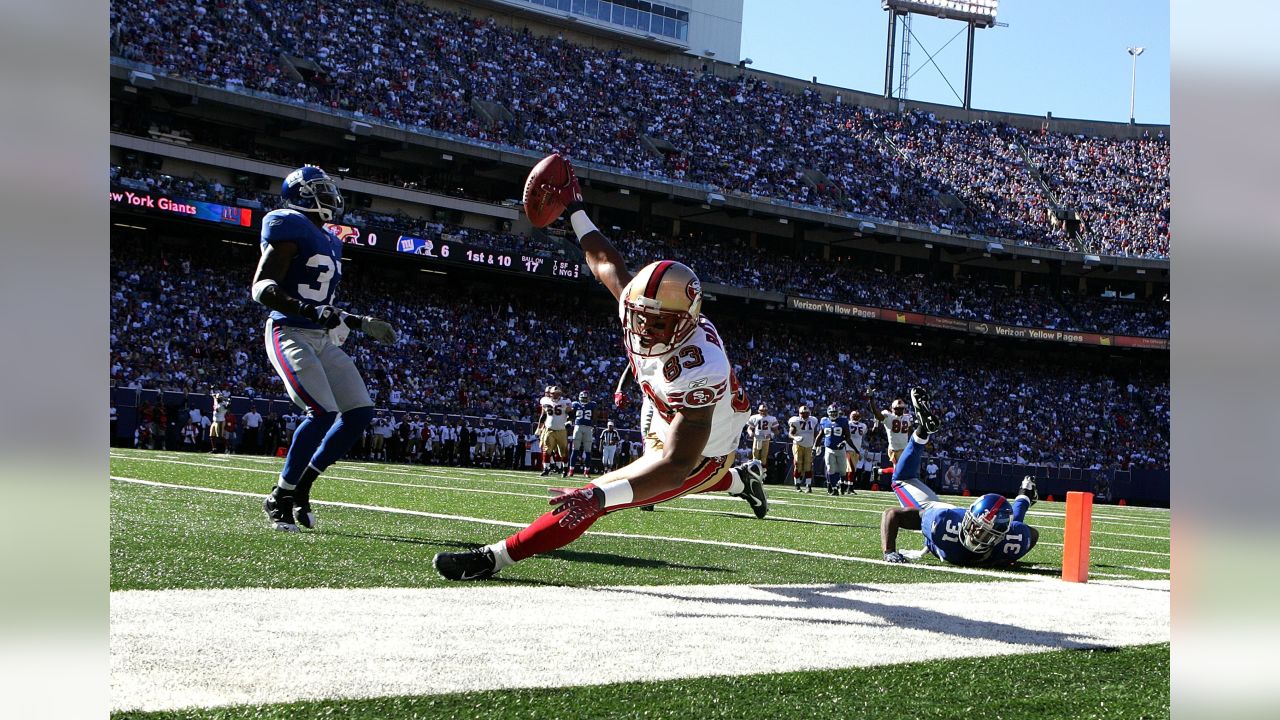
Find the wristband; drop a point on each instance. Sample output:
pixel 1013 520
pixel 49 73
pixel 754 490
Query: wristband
pixel 617 493
pixel 260 287
pixel 582 225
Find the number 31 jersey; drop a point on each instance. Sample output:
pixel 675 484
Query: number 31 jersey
pixel 695 374
pixel 940 526
pixel 314 272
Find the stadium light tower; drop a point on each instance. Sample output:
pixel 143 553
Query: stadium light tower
pixel 975 13
pixel 1133 80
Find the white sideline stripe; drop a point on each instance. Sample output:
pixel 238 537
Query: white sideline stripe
pixel 1145 569
pixel 598 533
pixel 175 649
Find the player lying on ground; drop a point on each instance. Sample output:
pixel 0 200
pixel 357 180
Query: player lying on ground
pixel 990 533
pixel 688 383
pixel 296 279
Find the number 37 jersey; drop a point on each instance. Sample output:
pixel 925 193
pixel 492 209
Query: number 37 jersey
pixel 940 525
pixel 315 270
pixel 695 374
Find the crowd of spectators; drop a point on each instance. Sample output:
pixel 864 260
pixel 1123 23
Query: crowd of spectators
pixel 182 320
pixel 405 62
pixel 736 264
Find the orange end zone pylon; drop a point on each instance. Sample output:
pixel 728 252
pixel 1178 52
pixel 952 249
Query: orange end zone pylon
pixel 1075 546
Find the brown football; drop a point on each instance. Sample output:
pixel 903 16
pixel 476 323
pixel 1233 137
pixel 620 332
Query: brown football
pixel 541 205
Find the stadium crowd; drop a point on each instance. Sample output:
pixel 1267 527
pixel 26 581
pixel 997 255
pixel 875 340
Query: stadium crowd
pixel 405 62
pixel 182 320
pixel 736 264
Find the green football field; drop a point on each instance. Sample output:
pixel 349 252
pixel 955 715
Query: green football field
pixel 695 609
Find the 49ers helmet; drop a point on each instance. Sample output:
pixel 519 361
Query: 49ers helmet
pixel 659 308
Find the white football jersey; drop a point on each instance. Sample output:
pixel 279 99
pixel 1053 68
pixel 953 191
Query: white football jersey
pixel 857 433
pixel 896 428
pixel 802 430
pixel 762 426
pixel 694 374
pixel 557 412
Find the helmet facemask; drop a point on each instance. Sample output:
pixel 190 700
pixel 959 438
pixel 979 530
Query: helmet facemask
pixel 980 532
pixel 652 331
pixel 319 195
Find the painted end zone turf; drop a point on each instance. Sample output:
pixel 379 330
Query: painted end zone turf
pixel 202 648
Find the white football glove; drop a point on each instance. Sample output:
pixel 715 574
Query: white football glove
pixel 379 330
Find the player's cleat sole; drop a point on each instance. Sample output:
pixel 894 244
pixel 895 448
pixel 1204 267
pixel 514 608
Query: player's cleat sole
pixel 476 564
pixel 647 508
pixel 752 476
pixel 279 512
pixel 920 401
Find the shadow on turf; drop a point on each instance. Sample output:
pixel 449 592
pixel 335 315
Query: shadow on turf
pixel 627 561
pixel 906 617
pixel 744 516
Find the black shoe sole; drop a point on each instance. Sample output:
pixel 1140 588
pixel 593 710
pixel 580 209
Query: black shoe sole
pixel 920 401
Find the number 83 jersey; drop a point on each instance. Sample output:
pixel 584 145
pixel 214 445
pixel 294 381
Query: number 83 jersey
pixel 314 272
pixel 940 525
pixel 695 374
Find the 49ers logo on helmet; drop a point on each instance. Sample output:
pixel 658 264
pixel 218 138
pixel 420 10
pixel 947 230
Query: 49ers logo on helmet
pixel 692 289
pixel 699 397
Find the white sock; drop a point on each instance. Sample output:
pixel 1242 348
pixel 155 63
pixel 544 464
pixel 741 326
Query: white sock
pixel 736 486
pixel 284 485
pixel 501 558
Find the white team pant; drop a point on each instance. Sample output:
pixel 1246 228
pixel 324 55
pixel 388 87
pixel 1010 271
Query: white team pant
pixel 582 435
pixel 319 376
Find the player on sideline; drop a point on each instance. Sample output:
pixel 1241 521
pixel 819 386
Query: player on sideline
pixel 760 427
pixel 802 428
pixel 853 451
pixel 555 446
pixel 680 364
pixel 835 441
pixel 609 439
pixel 990 533
pixel 583 409
pixel 296 279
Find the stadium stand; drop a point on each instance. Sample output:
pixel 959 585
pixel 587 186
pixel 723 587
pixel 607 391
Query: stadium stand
pixel 485 349
pixel 404 62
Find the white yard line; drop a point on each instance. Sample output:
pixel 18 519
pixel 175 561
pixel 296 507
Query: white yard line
pixel 175 649
pixel 946 569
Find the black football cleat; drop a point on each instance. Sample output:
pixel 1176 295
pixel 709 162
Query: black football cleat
pixel 302 513
pixel 476 564
pixel 647 508
pixel 920 401
pixel 1028 489
pixel 752 476
pixel 279 511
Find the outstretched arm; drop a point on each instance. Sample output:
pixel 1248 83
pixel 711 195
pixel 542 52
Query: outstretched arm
pixel 606 263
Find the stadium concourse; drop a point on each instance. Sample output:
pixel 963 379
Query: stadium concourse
pixel 481 349
pixel 388 60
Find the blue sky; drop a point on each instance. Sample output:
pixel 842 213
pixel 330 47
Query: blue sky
pixel 1064 56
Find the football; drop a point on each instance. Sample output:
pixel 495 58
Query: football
pixel 541 204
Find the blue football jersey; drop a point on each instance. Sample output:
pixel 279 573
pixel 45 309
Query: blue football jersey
pixel 315 271
pixel 941 529
pixel 835 433
pixel 583 413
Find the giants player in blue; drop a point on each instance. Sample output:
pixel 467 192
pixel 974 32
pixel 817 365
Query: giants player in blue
pixel 990 533
pixel 583 410
pixel 834 430
pixel 296 279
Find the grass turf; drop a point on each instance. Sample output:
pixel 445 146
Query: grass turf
pixel 1129 683
pixel 172 538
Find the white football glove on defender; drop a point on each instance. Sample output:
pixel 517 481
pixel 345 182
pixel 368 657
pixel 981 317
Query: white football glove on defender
pixel 379 330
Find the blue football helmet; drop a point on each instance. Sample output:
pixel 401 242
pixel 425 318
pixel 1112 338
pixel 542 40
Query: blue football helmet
pixel 985 523
pixel 833 411
pixel 583 396
pixel 309 189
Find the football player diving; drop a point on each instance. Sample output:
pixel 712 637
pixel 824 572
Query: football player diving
pixel 297 278
pixel 699 409
pixel 990 533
